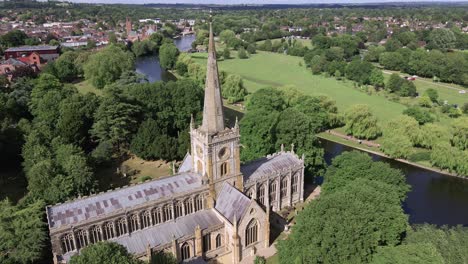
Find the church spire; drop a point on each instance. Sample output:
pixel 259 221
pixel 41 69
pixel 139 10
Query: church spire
pixel 213 117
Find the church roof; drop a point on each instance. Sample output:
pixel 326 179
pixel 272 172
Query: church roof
pixel 186 165
pixel 232 203
pixel 213 117
pixel 163 234
pixel 269 165
pixel 86 208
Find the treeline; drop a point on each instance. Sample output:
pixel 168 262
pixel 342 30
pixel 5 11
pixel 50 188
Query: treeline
pixel 359 219
pixel 286 117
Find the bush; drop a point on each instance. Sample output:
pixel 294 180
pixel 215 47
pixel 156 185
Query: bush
pixel 422 116
pixel 242 54
pixel 226 53
pixel 251 49
pixel 260 260
pixel 181 68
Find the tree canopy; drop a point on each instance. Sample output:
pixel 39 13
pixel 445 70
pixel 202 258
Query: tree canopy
pixel 104 252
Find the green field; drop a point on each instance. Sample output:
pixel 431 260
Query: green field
pixel 267 69
pixel 86 87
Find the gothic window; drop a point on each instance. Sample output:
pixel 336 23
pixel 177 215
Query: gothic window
pixel 294 183
pixel 167 212
pixel 157 216
pixel 67 243
pixel 251 233
pixel 108 230
pixel 284 187
pixel 145 219
pixel 185 251
pixel 224 169
pixel 96 234
pixel 261 194
pixel 178 209
pixel 188 204
pixel 133 223
pixel 272 192
pixel 198 203
pixel 122 227
pixel 82 238
pixel 207 242
pixel 218 241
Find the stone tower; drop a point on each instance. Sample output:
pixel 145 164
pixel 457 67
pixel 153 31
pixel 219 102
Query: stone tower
pixel 215 148
pixel 128 26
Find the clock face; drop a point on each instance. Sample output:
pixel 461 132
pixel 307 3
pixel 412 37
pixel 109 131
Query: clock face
pixel 199 151
pixel 223 153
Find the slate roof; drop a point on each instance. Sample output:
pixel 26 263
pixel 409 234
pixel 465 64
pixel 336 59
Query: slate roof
pixel 263 167
pixel 14 62
pixel 163 234
pixel 79 210
pixel 31 48
pixel 187 163
pixel 232 203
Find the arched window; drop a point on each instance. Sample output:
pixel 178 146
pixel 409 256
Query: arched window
pixel 108 230
pixel 82 238
pixel 167 211
pixel 145 219
pixel 284 188
pixel 207 242
pixel 295 179
pixel 224 169
pixel 95 234
pixel 185 251
pixel 133 223
pixel 272 192
pixel 178 209
pixel 198 203
pixel 188 204
pixel 251 233
pixel 219 242
pixel 122 227
pixel 157 216
pixel 67 243
pixel 261 194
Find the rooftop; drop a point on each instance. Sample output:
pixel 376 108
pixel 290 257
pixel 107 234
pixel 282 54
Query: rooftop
pixel 163 234
pixel 83 209
pixel 263 167
pixel 232 203
pixel 31 48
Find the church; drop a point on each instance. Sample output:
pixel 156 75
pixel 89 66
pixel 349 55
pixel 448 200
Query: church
pixel 213 209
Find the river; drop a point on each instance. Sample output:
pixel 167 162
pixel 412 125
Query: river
pixel 434 198
pixel 149 65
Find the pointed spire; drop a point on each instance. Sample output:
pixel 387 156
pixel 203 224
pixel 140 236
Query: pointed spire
pixel 192 122
pixel 282 148
pixel 236 125
pixel 292 148
pixel 213 117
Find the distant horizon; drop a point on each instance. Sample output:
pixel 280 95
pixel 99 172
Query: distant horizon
pixel 258 2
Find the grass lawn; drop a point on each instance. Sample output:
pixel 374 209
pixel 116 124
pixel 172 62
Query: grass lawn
pixel 86 87
pixel 446 91
pixel 267 69
pixel 273 259
pixel 139 169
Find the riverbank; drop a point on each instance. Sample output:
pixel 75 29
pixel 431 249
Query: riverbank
pixel 375 151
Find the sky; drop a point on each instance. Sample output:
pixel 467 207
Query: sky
pixel 250 1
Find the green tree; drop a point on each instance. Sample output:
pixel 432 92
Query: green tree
pixel 181 68
pixel 361 123
pixel 460 133
pixel 359 71
pixel 168 55
pixel 433 94
pixel 242 54
pixel 107 65
pixel 65 68
pixel 116 120
pixel 442 38
pixel 392 61
pixel 407 89
pixel 227 36
pixel 226 53
pixel 392 45
pixel 397 146
pixel 269 99
pixel 420 253
pixel 104 252
pixel 233 89
pixel 421 115
pixel 13 38
pixel 22 232
pixel 376 78
pixel 251 49
pixel 162 257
